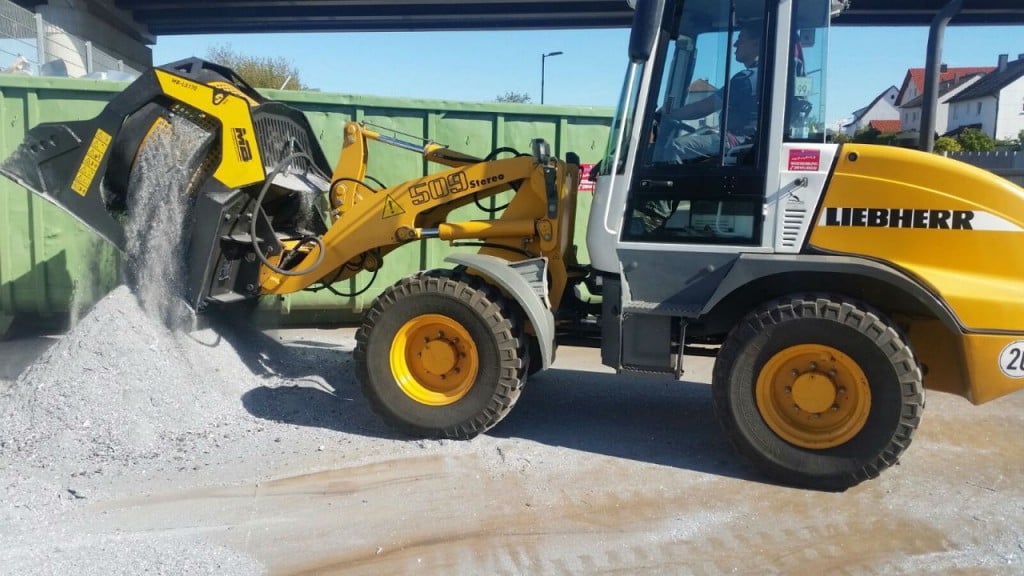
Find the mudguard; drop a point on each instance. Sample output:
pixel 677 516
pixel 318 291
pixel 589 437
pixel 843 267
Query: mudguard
pixel 526 281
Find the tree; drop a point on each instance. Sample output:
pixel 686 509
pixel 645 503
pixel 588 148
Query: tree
pixel 872 135
pixel 841 137
pixel 1011 143
pixel 947 144
pixel 1007 144
pixel 260 72
pixel 974 140
pixel 511 96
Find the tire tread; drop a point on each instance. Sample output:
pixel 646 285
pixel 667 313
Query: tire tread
pixel 855 315
pixel 499 315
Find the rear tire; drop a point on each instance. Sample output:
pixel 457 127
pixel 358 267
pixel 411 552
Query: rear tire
pixel 818 392
pixel 441 355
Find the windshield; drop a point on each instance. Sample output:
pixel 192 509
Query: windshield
pixel 622 124
pixel 805 90
pixel 708 103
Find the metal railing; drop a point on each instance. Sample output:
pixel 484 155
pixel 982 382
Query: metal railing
pixel 31 45
pixel 1008 164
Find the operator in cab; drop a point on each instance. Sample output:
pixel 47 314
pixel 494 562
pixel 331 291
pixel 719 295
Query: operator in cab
pixel 680 143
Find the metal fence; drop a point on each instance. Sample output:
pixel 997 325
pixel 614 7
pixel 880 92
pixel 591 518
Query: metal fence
pixel 31 45
pixel 1008 164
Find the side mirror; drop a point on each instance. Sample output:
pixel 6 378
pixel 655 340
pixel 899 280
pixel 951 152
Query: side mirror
pixel 646 21
pixel 541 150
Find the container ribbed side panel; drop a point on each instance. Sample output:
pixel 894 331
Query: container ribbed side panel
pixel 52 268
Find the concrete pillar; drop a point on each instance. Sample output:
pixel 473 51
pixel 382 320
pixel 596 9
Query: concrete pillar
pixel 111 34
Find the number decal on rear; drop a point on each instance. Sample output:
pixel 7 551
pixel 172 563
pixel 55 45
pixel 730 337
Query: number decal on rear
pixel 1011 359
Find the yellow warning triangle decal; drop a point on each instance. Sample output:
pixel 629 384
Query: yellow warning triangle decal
pixel 391 208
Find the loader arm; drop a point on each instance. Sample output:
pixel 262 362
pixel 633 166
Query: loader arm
pixel 369 223
pixel 268 214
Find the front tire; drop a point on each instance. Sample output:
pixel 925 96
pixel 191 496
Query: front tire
pixel 441 355
pixel 818 392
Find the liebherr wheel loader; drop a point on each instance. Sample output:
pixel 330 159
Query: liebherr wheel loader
pixel 835 281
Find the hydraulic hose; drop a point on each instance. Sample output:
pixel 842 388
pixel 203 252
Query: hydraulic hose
pixel 259 203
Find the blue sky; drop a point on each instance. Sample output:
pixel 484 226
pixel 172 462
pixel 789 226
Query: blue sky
pixel 478 66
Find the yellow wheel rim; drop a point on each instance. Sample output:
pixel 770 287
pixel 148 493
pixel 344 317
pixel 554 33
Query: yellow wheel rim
pixel 434 360
pixel 813 396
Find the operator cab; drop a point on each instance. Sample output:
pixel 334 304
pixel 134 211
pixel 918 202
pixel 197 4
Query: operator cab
pixel 722 109
pixel 700 172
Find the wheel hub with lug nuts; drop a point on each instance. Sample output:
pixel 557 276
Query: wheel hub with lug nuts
pixel 813 392
pixel 434 360
pixel 813 396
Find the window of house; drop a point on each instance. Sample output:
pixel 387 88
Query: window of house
pixel 977 109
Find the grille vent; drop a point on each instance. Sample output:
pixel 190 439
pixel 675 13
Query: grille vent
pixel 278 137
pixel 792 224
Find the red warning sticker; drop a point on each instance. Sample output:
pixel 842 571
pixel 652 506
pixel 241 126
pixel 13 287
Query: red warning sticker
pixel 804 160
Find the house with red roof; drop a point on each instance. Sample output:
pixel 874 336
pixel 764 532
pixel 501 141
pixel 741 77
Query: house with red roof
pixel 952 81
pixel 883 107
pixel 994 104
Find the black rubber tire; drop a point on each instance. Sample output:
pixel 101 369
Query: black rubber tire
pixel 492 322
pixel 873 342
pixel 530 349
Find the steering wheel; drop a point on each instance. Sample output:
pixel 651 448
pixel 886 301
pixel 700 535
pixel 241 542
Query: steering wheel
pixel 670 125
pixel 667 131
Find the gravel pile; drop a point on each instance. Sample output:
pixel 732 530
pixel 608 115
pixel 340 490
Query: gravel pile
pixel 119 389
pixel 135 393
pixel 122 406
pixel 126 384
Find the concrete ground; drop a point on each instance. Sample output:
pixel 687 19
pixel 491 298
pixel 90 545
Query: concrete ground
pixel 18 354
pixel 591 473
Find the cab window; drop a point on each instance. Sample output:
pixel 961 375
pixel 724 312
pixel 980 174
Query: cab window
pixel 805 98
pixel 708 106
pixel 700 177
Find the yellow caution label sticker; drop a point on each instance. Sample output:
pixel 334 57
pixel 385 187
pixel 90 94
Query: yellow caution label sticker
pixel 91 163
pixel 391 208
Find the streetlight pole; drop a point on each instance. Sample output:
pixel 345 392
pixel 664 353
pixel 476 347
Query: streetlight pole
pixel 544 57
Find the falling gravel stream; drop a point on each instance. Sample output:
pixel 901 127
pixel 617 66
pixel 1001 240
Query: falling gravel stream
pixel 157 227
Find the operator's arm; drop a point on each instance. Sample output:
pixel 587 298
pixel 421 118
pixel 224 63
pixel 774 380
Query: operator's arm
pixel 698 109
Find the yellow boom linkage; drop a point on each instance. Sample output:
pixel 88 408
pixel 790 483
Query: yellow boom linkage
pixel 368 223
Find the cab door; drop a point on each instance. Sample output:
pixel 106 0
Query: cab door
pixel 697 195
pixel 697 190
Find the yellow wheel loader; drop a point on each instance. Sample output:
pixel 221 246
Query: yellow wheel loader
pixel 836 282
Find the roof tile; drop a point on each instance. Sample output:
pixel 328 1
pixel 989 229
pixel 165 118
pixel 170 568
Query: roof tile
pixel 886 126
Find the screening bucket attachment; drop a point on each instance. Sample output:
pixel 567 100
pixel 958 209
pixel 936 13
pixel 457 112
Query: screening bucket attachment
pixel 86 168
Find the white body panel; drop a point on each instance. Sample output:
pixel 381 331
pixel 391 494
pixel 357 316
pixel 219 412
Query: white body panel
pixel 804 170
